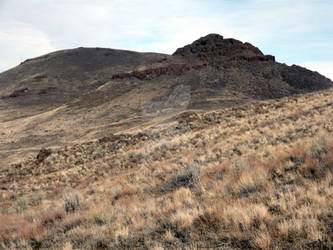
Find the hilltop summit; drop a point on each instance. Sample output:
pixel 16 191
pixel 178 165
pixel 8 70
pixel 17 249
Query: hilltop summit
pixel 215 47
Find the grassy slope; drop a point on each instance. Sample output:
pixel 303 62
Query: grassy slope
pixel 255 176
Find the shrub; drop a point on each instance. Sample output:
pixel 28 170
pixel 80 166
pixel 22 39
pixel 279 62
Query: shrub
pixel 21 204
pixel 37 199
pixel 187 178
pixel 72 201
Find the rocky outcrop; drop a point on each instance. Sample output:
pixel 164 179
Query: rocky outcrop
pixel 267 58
pixel 45 90
pixel 302 78
pixel 148 74
pixel 43 154
pixel 127 139
pixel 215 48
pixel 178 69
pixel 19 92
pixel 26 91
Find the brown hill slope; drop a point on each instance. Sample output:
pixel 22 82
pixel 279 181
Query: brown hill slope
pixel 77 95
pixel 254 176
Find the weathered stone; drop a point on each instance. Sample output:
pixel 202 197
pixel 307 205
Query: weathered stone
pixel 43 154
pixel 51 159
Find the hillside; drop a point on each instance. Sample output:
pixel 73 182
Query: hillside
pixel 256 176
pixel 216 146
pixel 78 95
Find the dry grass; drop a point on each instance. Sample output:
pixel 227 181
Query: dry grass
pixel 261 180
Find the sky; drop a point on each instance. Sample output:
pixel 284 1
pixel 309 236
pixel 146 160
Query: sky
pixel 294 31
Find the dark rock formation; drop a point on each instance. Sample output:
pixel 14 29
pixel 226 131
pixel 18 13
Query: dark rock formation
pixel 26 91
pixel 215 48
pixel 304 79
pixel 43 154
pixel 19 92
pixel 45 90
pixel 267 58
pixel 148 74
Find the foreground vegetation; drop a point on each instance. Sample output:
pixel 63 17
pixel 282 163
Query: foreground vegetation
pixel 256 176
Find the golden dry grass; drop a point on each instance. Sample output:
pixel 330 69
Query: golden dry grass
pixel 258 176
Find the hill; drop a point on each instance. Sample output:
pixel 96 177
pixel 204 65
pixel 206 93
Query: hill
pixel 256 176
pixel 81 94
pixel 215 146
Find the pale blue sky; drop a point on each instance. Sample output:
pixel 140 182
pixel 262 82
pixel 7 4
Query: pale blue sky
pixel 296 32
